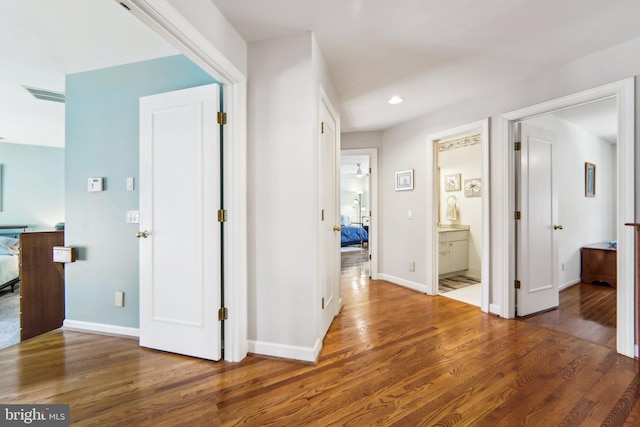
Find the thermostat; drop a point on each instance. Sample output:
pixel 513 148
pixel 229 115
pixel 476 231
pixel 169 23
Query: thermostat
pixel 64 254
pixel 96 184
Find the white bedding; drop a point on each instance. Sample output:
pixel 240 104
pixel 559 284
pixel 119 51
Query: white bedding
pixel 8 268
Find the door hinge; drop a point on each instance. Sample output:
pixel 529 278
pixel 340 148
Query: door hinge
pixel 222 215
pixel 517 146
pixel 369 257
pixel 223 314
pixel 370 170
pixel 323 303
pixel 322 214
pixel 321 127
pixel 517 215
pixel 517 284
pixel 222 118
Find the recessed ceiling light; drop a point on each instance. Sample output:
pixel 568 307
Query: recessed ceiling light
pixel 395 100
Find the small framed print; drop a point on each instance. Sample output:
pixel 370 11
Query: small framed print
pixel 404 180
pixel 589 180
pixel 452 182
pixel 472 187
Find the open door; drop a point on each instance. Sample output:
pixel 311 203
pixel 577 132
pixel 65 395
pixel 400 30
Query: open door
pixel 536 242
pixel 329 223
pixel 180 244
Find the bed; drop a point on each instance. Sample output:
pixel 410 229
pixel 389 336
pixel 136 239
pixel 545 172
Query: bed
pixel 10 256
pixel 350 235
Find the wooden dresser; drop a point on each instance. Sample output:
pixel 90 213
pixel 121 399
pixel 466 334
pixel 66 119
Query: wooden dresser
pixel 41 283
pixel 599 264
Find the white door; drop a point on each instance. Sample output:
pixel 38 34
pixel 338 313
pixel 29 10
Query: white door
pixel 180 242
pixel 536 237
pixel 329 224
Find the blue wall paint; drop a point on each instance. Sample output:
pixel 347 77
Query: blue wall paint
pixel 32 185
pixel 102 141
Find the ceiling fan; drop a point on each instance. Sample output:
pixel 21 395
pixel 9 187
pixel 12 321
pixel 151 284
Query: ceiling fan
pixel 358 173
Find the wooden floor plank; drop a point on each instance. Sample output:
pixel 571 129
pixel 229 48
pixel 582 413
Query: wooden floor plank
pixel 392 357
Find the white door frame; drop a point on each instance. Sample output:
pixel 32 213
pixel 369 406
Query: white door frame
pixel 432 214
pixel 503 190
pixel 168 23
pixel 373 221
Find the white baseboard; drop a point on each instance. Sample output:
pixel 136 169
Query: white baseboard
pixel 100 328
pixel 494 309
pixel 402 282
pixel 569 284
pixel 305 354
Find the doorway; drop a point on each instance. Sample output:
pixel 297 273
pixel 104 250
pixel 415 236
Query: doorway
pixel 458 188
pixel 623 93
pixel 358 210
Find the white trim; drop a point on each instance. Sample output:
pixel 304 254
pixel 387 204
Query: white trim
pixel 102 328
pixel 624 91
pixel 402 282
pixel 373 221
pixel 306 354
pixel 432 215
pixel 494 309
pixel 161 17
pixel 568 284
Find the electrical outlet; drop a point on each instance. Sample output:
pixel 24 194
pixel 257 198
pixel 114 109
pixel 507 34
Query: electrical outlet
pixel 412 266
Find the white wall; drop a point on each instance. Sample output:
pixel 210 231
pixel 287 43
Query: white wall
pixel 467 162
pixel 585 220
pixel 283 287
pixel 404 147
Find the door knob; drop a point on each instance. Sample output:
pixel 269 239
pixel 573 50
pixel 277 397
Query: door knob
pixel 144 234
pixel 557 227
pixel 336 228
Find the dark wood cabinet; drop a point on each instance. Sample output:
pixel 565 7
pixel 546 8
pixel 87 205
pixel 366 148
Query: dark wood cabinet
pixel 41 283
pixel 599 264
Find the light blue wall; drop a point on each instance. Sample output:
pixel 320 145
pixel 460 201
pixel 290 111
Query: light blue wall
pixel 102 141
pixel 32 185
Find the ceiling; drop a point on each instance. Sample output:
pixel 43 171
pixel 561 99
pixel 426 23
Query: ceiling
pixel 433 53
pixel 41 41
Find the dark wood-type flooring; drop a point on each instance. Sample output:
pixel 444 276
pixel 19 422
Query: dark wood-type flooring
pixel 392 357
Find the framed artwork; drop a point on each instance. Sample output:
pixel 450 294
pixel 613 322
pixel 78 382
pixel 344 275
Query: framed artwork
pixel 404 180
pixel 589 180
pixel 472 187
pixel 452 182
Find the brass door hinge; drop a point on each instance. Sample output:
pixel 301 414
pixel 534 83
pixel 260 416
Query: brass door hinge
pixel 222 215
pixel 517 146
pixel 517 284
pixel 323 303
pixel 322 214
pixel 223 314
pixel 222 118
pixel 321 127
pixel 517 215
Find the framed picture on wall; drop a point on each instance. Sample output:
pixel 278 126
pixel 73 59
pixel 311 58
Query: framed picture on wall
pixel 589 180
pixel 404 180
pixel 452 182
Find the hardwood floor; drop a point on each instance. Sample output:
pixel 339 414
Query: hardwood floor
pixel 392 357
pixel 586 311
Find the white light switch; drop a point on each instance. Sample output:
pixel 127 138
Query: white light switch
pixel 412 266
pixel 410 214
pixel 130 183
pixel 119 299
pixel 133 217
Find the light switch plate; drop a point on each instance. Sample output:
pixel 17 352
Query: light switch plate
pixel 130 183
pixel 133 217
